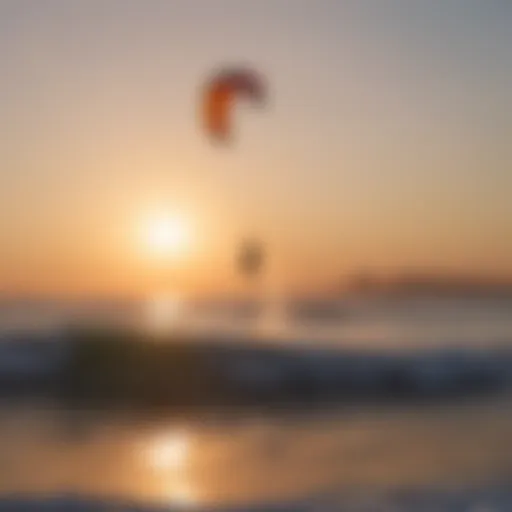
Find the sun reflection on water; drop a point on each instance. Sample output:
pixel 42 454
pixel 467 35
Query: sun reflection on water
pixel 164 311
pixel 171 451
pixel 168 456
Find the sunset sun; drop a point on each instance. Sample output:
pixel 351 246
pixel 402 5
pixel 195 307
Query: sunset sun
pixel 166 235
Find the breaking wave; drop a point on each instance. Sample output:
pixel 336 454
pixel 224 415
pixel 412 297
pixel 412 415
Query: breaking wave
pixel 129 367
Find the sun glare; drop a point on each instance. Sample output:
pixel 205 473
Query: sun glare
pixel 166 235
pixel 169 452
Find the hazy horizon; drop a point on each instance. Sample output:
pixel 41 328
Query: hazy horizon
pixel 385 147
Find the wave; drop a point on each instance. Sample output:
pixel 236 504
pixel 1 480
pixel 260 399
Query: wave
pixel 130 368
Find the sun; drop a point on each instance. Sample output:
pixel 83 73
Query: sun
pixel 166 235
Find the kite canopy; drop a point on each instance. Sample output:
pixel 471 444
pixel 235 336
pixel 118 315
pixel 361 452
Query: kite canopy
pixel 221 92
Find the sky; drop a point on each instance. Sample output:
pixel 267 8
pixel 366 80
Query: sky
pixel 385 143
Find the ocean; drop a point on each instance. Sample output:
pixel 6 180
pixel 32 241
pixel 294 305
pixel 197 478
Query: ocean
pixel 381 321
pixel 451 452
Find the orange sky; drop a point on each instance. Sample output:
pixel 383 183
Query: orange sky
pixel 385 144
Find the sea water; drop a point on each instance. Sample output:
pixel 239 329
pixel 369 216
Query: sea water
pixel 451 455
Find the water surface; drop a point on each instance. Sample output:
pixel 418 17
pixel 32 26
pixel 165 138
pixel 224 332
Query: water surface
pixel 232 459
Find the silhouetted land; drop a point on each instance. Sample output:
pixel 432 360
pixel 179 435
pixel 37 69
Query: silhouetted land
pixel 430 285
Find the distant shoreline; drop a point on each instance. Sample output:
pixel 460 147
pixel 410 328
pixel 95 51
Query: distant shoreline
pixel 428 285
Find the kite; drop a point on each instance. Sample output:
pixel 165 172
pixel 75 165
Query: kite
pixel 220 95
